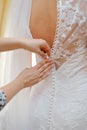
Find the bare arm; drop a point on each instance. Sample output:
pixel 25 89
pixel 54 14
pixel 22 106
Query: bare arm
pixel 7 44
pixel 27 78
pixel 35 45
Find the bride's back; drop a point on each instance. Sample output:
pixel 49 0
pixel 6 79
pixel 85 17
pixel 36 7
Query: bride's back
pixel 43 19
pixel 70 19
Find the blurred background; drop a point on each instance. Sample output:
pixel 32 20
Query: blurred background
pixel 4 14
pixel 4 8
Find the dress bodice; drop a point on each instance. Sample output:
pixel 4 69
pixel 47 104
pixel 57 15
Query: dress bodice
pixel 71 30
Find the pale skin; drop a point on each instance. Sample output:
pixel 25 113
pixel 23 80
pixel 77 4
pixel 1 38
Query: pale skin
pixel 29 76
pixel 46 23
pixel 38 46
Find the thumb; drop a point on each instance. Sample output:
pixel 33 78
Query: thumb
pixel 45 49
pixel 42 54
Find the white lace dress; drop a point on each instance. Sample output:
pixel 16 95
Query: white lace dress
pixel 60 101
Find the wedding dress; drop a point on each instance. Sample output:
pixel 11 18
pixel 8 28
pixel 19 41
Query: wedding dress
pixel 60 101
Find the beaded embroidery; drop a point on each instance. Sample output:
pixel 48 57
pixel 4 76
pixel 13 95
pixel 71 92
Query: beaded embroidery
pixel 52 90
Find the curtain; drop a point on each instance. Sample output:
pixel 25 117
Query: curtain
pixel 15 25
pixel 15 61
pixel 4 9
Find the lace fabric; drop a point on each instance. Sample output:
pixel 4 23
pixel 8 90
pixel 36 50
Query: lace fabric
pixel 71 31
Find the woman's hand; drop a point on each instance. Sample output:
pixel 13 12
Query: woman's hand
pixel 28 78
pixel 38 46
pixel 31 76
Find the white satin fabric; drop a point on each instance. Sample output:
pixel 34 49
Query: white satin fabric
pixel 60 101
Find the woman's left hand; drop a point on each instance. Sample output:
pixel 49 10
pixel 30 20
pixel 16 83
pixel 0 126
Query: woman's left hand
pixel 30 76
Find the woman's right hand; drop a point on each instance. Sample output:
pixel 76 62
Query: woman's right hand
pixel 30 76
pixel 38 46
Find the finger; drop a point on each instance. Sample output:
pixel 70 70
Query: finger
pixel 42 63
pixel 40 72
pixel 44 75
pixel 42 54
pixel 36 79
pixel 41 76
pixel 45 66
pixel 47 70
pixel 45 49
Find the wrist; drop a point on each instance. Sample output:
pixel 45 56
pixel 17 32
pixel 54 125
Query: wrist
pixel 22 43
pixel 19 84
pixel 26 44
pixel 12 89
